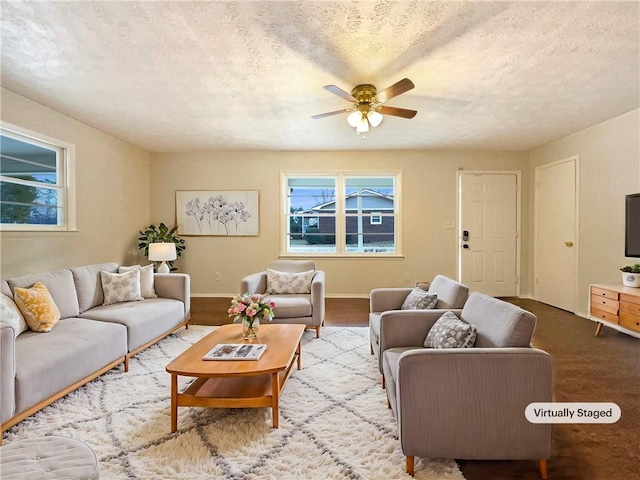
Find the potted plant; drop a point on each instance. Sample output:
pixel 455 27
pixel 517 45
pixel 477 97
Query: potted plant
pixel 631 275
pixel 159 234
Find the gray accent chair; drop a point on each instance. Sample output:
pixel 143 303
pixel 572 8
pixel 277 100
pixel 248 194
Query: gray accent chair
pixel 386 316
pixel 307 309
pixel 469 403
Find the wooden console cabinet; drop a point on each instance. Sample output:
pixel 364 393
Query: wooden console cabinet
pixel 616 306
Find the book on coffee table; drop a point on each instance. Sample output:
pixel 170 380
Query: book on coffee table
pixel 236 351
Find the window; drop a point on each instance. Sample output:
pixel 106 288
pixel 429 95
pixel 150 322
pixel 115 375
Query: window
pixel 35 187
pixel 344 214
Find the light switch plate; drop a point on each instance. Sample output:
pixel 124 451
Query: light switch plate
pixel 449 224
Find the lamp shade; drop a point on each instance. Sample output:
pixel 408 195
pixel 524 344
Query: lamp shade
pixel 354 118
pixel 159 252
pixel 363 126
pixel 374 118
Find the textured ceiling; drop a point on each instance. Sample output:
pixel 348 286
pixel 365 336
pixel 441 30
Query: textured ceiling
pixel 196 75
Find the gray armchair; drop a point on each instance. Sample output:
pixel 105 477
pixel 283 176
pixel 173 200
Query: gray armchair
pixel 301 308
pixel 385 312
pixel 469 403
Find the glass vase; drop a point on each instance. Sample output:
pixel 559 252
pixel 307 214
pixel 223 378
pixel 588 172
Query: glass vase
pixel 250 327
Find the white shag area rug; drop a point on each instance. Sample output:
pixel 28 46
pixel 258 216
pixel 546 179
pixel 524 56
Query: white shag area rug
pixel 334 421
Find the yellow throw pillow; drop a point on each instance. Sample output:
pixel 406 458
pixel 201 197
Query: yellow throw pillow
pixel 37 307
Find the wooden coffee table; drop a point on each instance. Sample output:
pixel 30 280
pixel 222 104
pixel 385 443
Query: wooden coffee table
pixel 236 383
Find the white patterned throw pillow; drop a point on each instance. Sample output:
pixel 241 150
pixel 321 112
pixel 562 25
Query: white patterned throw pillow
pixel 418 299
pixel 286 282
pixel 146 279
pixel 121 287
pixel 451 332
pixel 11 315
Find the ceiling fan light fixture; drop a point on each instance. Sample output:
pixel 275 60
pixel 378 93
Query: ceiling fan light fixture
pixel 374 118
pixel 367 110
pixel 354 118
pixel 363 126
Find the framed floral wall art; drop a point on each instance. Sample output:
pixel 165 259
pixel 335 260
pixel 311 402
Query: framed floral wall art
pixel 217 212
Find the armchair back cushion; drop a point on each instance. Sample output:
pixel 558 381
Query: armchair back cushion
pixel 498 323
pixel 451 294
pixel 292 266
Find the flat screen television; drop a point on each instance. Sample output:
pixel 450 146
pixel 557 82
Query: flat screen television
pixel 632 226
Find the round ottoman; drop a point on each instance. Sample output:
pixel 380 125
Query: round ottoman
pixel 48 458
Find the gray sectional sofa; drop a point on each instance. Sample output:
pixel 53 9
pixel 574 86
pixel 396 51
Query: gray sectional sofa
pixel 37 369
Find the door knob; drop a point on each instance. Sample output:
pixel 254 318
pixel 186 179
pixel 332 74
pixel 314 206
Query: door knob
pixel 568 244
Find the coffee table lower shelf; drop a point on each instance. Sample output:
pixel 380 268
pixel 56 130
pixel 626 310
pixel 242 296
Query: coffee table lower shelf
pixel 250 391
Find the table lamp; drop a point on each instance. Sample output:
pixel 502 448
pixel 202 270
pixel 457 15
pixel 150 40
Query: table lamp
pixel 162 252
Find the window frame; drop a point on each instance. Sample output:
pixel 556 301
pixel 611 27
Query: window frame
pixel 65 179
pixel 375 218
pixel 341 215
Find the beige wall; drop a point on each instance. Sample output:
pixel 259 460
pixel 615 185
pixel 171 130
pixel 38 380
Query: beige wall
pixel 112 196
pixel 609 168
pixel 429 199
pixel 115 200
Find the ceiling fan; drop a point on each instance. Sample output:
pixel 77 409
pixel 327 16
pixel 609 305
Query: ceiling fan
pixel 367 104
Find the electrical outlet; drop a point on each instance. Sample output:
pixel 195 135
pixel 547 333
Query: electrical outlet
pixel 406 277
pixel 449 224
pixel 217 276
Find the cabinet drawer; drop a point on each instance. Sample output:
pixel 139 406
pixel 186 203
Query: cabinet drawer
pixel 630 321
pixel 601 292
pixel 630 298
pixel 633 308
pixel 602 302
pixel 609 317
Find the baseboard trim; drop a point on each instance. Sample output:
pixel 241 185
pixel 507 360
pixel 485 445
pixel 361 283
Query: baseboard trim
pixel 230 295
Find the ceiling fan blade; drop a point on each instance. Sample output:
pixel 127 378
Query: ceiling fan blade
pixel 339 92
pixel 397 112
pixel 328 114
pixel 394 90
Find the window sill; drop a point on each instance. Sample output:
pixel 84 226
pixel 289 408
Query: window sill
pixel 364 256
pixel 30 232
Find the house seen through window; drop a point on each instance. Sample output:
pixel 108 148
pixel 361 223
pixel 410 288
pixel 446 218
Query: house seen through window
pixel 341 214
pixel 33 183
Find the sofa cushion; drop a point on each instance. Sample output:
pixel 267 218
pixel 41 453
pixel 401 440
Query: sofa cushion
pixel 146 279
pixel 37 306
pixel 450 332
pixel 89 284
pixel 418 299
pixel 10 314
pixel 4 288
pixel 287 282
pixel 76 348
pixel 60 285
pixel 290 306
pixel 121 287
pixel 145 320
pixel 499 323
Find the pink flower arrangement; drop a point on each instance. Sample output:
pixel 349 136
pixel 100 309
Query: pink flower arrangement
pixel 247 307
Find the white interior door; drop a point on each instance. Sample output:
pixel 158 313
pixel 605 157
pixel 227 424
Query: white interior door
pixel 488 229
pixel 555 248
